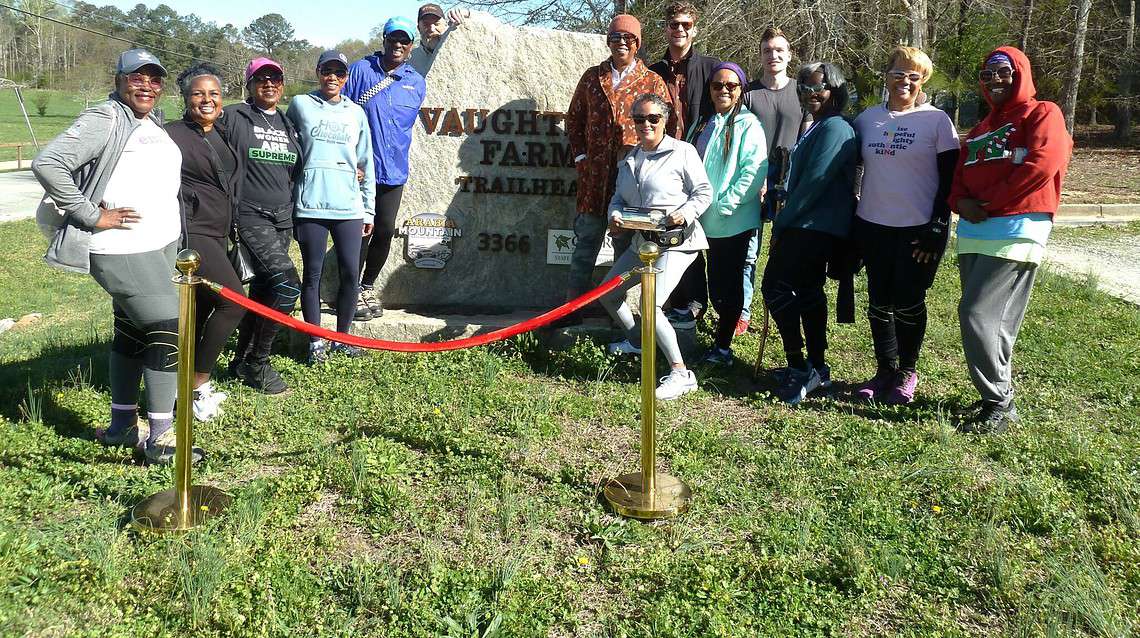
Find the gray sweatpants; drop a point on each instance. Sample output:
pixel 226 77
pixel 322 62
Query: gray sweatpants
pixel 672 264
pixel 995 294
pixel 145 345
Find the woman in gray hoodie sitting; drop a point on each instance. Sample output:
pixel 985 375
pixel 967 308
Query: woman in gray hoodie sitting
pixel 665 174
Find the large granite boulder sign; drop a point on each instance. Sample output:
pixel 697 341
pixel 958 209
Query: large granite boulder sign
pixel 485 221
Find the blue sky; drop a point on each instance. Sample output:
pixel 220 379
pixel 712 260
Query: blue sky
pixel 321 23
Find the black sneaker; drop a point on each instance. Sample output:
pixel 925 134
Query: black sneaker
pixel 262 377
pixel 992 419
pixel 234 369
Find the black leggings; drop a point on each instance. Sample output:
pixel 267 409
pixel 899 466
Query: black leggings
pixel 896 292
pixel 313 237
pixel 275 284
pixel 727 257
pixel 793 289
pixel 216 318
pixel 374 253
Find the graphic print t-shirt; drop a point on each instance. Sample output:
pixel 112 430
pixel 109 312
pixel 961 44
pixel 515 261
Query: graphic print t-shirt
pixel 269 161
pixel 900 162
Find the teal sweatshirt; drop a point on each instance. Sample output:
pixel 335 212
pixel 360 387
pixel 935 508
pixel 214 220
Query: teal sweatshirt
pixel 737 180
pixel 821 180
pixel 335 141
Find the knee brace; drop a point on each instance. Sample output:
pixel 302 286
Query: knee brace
pixel 882 314
pixel 911 315
pixel 284 289
pixel 129 340
pixel 162 345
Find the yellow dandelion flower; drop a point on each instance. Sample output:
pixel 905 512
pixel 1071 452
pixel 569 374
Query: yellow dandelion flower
pixel 936 509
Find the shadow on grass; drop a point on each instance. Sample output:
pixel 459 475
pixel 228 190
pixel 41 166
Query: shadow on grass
pixel 30 384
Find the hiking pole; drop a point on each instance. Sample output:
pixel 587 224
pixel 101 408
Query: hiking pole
pixel 763 341
pixel 187 505
pixel 648 494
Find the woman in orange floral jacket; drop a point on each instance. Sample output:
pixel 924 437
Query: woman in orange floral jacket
pixel 601 133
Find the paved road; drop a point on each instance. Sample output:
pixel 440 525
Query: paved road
pixel 19 195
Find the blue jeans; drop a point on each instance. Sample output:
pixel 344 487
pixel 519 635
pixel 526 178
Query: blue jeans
pixel 750 271
pixel 589 233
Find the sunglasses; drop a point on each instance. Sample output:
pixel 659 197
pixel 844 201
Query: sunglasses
pixel 271 78
pixel 1003 72
pixel 809 89
pixel 614 38
pixel 677 25
pixel 652 118
pixel 900 75
pixel 731 86
pixel 333 70
pixel 401 40
pixel 139 80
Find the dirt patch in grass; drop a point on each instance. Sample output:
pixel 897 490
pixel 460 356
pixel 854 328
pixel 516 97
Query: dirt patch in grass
pixel 1103 176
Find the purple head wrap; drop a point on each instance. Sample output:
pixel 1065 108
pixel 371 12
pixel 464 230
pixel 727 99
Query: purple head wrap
pixel 735 68
pixel 997 58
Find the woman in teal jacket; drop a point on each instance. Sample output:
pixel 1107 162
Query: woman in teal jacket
pixel 731 143
pixel 819 208
pixel 331 199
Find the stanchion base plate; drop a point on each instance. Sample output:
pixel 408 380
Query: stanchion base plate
pixel 159 512
pixel 626 496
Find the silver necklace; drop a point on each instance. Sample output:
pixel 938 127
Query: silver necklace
pixel 262 114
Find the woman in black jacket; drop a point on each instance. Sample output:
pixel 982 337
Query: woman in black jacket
pixel 270 150
pixel 211 174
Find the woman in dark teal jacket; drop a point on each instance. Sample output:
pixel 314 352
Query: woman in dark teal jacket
pixel 819 208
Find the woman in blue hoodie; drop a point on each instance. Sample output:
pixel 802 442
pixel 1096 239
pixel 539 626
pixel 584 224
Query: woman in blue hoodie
pixel 818 211
pixel 336 144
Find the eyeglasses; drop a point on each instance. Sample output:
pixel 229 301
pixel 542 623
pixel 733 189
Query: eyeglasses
pixel 731 86
pixel 808 89
pixel 401 40
pixel 615 38
pixel 1003 72
pixel 139 80
pixel 900 75
pixel 652 118
pixel 677 25
pixel 337 71
pixel 269 78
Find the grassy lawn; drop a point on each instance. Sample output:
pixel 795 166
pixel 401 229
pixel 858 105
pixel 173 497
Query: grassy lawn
pixel 458 494
pixel 62 107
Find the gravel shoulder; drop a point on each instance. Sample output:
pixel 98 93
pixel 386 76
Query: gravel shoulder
pixel 1110 254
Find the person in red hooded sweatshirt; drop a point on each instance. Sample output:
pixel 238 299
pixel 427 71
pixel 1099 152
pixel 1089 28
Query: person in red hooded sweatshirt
pixel 1007 186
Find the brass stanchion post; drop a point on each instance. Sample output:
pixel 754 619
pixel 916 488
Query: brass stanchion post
pixel 187 505
pixel 648 494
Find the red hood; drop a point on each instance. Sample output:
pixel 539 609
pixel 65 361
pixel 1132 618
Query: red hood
pixel 1023 87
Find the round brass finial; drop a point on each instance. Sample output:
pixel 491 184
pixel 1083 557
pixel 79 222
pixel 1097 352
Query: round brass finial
pixel 188 261
pixel 649 252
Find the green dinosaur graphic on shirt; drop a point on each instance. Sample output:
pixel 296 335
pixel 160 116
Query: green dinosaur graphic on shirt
pixel 990 146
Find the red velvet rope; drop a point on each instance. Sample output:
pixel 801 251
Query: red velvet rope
pixel 402 346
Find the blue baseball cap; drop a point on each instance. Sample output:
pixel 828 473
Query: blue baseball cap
pixel 400 23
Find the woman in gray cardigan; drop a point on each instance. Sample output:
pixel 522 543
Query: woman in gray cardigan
pixel 662 173
pixel 114 174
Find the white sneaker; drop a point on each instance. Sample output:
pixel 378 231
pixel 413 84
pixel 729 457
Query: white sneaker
pixel 677 383
pixel 207 402
pixel 622 347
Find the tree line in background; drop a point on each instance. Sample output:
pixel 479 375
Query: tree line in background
pixel 1083 51
pixel 72 45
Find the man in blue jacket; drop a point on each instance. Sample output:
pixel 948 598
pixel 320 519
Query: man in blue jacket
pixel 390 91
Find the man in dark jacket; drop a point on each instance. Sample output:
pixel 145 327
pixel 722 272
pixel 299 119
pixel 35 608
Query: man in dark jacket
pixel 685 70
pixel 686 73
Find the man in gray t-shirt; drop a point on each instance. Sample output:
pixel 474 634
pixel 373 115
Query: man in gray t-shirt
pixel 772 98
